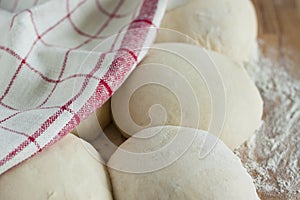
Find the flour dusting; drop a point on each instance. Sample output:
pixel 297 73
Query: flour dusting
pixel 272 155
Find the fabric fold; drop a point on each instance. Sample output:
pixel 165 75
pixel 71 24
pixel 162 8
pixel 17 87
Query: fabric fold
pixel 60 61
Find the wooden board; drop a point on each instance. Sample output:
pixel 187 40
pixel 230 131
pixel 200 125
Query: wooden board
pixel 279 30
pixel 279 27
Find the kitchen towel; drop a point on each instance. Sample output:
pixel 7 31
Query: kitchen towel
pixel 60 60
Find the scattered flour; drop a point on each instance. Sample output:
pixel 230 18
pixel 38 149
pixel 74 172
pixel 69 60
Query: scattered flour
pixel 272 155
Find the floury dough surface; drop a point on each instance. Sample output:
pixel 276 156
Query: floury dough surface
pixel 70 169
pixel 226 26
pixel 218 176
pixel 166 89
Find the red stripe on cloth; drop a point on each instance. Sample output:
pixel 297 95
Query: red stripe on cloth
pixel 106 86
pixel 130 52
pixel 143 20
pixel 24 111
pixel 114 15
pixel 21 133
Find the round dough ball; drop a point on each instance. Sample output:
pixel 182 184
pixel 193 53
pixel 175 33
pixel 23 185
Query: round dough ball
pixel 218 175
pixel 131 103
pixel 90 128
pixel 226 26
pixel 69 169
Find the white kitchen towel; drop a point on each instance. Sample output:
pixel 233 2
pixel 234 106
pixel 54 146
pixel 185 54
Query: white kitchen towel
pixel 60 60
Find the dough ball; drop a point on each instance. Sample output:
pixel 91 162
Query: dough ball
pixel 70 169
pixel 218 175
pixel 91 127
pixel 226 26
pixel 139 104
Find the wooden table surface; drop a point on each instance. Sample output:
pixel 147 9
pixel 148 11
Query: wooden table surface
pixel 279 27
pixel 279 31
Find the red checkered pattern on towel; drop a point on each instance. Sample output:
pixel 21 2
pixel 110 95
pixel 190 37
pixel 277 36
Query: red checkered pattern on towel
pixel 62 59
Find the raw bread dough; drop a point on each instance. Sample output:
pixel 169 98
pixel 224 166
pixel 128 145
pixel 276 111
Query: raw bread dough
pixel 91 127
pixel 132 102
pixel 218 176
pixel 70 169
pixel 226 26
